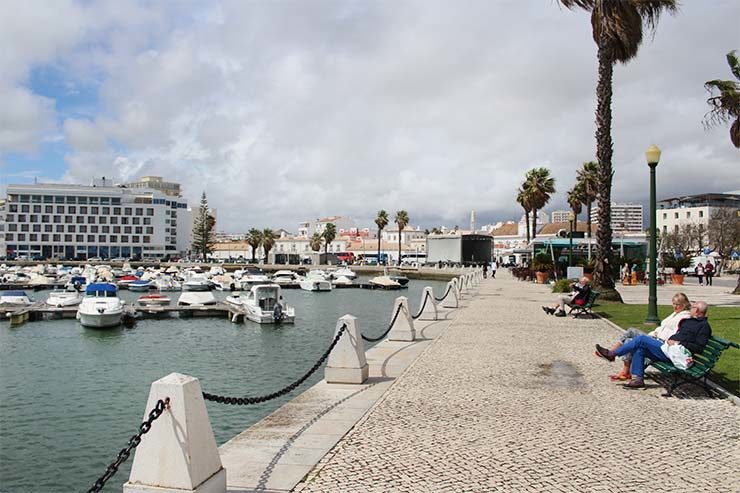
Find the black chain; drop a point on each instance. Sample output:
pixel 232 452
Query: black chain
pixel 248 401
pixel 374 339
pixel 449 286
pixel 133 442
pixel 423 305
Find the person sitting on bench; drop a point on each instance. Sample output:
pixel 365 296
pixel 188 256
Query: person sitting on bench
pixel 578 296
pixel 693 334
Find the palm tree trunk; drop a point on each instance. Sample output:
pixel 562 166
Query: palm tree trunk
pixel 534 223
pixel 380 231
pixel 526 220
pixel 604 149
pixel 737 288
pixel 399 247
pixel 588 219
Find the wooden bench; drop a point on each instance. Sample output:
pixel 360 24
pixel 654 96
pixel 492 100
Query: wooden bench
pixel 586 308
pixel 696 373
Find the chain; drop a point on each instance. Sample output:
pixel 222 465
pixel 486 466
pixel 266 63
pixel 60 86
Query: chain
pixel 247 401
pixel 133 442
pixel 449 286
pixel 374 339
pixel 423 305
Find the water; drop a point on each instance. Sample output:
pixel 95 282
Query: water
pixel 71 397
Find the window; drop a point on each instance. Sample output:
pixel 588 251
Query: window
pixel 114 220
pixel 71 199
pixel 665 228
pixel 83 229
pixel 147 220
pixel 13 208
pixel 93 229
pixel 91 219
pixel 79 219
pixel 675 215
pixel 149 211
pixel 48 199
pixel 147 239
pixel 135 220
pixel 24 227
pixel 124 220
pixel 127 211
pixel 72 209
pixel 68 219
pixel 25 208
pixel 101 238
pixel 71 228
pixel 68 238
pixel 117 229
pixel 12 227
pixel 665 215
pixel 9 236
pixel 58 199
pixel 127 230
pixel 37 228
pixel 105 229
pixel 33 237
pixel 49 209
pixel 47 228
pixel 701 213
pixel 150 230
pixel 139 230
pixel 82 200
pixel 134 239
pixel 106 211
pixel 79 238
pixel 44 237
pixel 33 218
pixel 139 211
pixel 37 209
pixel 105 200
pixel 103 220
pixel 94 210
pixel 113 239
pixel 124 239
pixel 21 218
pixel 116 211
pixel 44 219
pixel 83 210
pixel 21 237
pixel 59 228
pixel 93 200
pixel 688 214
pixel 91 238
pixel 57 238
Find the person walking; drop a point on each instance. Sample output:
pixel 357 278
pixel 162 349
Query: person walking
pixel 493 270
pixel 709 272
pixel 485 270
pixel 699 271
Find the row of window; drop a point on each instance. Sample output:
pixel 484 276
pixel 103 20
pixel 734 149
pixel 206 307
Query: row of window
pixel 34 218
pixel 83 209
pixel 77 238
pixel 63 199
pixel 688 215
pixel 71 228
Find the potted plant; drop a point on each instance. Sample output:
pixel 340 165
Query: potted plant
pixel 588 267
pixel 542 265
pixel 677 264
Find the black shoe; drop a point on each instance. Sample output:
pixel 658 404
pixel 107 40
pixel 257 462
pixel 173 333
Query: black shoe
pixel 548 310
pixel 634 384
pixel 604 353
pixel 559 313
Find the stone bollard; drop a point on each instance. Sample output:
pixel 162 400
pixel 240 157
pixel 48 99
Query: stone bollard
pixel 430 309
pixel 347 363
pixel 458 287
pixel 403 328
pixel 179 453
pixel 451 300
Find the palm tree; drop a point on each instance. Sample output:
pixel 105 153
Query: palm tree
pixel 726 105
pixel 588 177
pixel 617 27
pixel 402 220
pixel 254 239
pixel 330 232
pixel 575 200
pixel 315 242
pixel 523 198
pixel 539 185
pixel 381 222
pixel 268 241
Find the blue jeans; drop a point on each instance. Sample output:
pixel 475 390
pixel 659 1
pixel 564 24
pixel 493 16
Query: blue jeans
pixel 642 347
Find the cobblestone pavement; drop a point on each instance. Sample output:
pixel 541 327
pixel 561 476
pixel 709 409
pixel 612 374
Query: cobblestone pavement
pixel 510 399
pixel 715 295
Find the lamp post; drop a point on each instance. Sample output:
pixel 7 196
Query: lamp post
pixel 571 218
pixel 653 157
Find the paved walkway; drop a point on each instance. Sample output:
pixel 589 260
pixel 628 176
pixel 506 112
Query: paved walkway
pixel 716 295
pixel 510 399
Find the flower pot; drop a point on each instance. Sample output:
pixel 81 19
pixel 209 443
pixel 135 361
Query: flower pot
pixel 542 277
pixel 588 275
pixel 677 278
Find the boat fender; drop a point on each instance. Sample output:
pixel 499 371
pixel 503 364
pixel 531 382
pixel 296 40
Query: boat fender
pixel 277 312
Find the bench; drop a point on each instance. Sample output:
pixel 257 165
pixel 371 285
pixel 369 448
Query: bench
pixel 586 308
pixel 696 373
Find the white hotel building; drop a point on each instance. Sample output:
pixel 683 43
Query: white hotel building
pixel 101 220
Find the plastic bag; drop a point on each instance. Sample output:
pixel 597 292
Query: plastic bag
pixel 679 355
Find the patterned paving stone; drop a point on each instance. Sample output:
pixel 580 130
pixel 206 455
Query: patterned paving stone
pixel 510 399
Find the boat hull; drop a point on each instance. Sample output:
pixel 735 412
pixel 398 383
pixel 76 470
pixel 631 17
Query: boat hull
pixel 315 285
pixel 100 320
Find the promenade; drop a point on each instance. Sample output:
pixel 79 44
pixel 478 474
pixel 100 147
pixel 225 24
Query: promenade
pixel 510 399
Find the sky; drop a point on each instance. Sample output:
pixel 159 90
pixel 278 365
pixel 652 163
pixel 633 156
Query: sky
pixel 284 111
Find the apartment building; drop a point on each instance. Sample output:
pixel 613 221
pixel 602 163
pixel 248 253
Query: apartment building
pixel 560 216
pixel 674 212
pixel 625 218
pixel 100 220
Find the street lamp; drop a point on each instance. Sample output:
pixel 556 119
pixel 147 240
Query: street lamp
pixel 653 157
pixel 571 218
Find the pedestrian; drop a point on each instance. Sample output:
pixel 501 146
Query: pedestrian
pixel 709 272
pixel 699 271
pixel 493 270
pixel 626 273
pixel 485 270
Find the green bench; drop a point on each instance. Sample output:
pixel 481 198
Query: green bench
pixel 586 308
pixel 696 373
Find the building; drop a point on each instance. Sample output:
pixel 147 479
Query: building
pixel 156 183
pixel 560 216
pixel 3 248
pixel 408 235
pixel 625 218
pixel 675 212
pixel 345 226
pixel 56 220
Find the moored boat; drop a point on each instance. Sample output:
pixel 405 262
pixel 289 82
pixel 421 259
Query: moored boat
pixel 62 297
pixel 385 282
pixel 15 298
pixel 196 298
pixel 140 285
pixel 101 307
pixel 264 304
pixel 344 272
pixel 314 284
pixel 154 299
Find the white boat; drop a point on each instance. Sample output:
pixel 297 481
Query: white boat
pixel 62 297
pixel 167 283
pixel 16 298
pixel 196 298
pixel 154 299
pixel 101 306
pixel 385 282
pixel 315 284
pixel 264 304
pixel 253 276
pixel 197 282
pixel 224 282
pixel 344 272
pixel 77 283
pixel 342 281
pixel 140 285
pixel 285 278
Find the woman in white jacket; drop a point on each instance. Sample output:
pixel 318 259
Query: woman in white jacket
pixel 668 327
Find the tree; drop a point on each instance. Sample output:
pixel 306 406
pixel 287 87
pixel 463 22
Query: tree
pixel 726 103
pixel 268 241
pixel 254 239
pixel 436 231
pixel 539 186
pixel 575 201
pixel 315 242
pixel 588 177
pixel 724 231
pixel 523 198
pixel 203 230
pixel 402 220
pixel 381 222
pixel 617 27
pixel 330 232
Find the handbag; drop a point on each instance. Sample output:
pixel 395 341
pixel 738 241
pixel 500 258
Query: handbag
pixel 679 355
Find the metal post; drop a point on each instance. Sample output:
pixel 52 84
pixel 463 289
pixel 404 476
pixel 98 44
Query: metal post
pixel 652 316
pixel 570 248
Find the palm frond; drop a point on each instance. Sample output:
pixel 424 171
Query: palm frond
pixel 734 62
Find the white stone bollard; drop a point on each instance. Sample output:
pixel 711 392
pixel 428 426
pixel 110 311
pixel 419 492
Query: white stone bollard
pixel 451 300
pixel 179 453
pixel 403 328
pixel 430 309
pixel 347 363
pixel 458 287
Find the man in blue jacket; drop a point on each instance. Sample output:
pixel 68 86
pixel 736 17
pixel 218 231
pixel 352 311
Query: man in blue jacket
pixel 693 334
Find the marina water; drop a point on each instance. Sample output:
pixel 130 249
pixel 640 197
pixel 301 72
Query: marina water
pixel 71 397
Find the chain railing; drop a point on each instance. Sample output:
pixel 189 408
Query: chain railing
pixel 423 305
pixel 248 401
pixel 449 286
pixel 133 442
pixel 390 326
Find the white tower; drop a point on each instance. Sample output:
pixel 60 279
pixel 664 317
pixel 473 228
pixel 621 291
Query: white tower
pixel 472 221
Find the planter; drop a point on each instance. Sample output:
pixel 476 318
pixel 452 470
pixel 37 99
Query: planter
pixel 542 277
pixel 677 278
pixel 588 275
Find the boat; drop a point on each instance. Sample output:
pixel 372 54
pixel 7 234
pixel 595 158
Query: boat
pixel 124 281
pixel 196 298
pixel 342 281
pixel 101 307
pixel 167 283
pixel 264 304
pixel 251 277
pixel 197 282
pixel 224 282
pixel 286 278
pixel 154 299
pixel 385 282
pixel 62 297
pixel 402 280
pixel 16 298
pixel 140 285
pixel 77 283
pixel 344 272
pixel 314 284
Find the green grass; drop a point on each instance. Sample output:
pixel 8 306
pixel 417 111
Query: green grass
pixel 725 322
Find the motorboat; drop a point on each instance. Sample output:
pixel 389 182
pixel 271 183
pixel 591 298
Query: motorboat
pixel 16 298
pixel 101 307
pixel 402 280
pixel 342 281
pixel 286 278
pixel 253 276
pixel 124 281
pixel 154 299
pixel 314 284
pixel 197 282
pixel 264 304
pixel 196 298
pixel 224 282
pixel 140 285
pixel 62 297
pixel 77 283
pixel 344 272
pixel 167 283
pixel 318 274
pixel 385 282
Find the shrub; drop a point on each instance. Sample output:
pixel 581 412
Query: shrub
pixel 562 286
pixel 542 263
